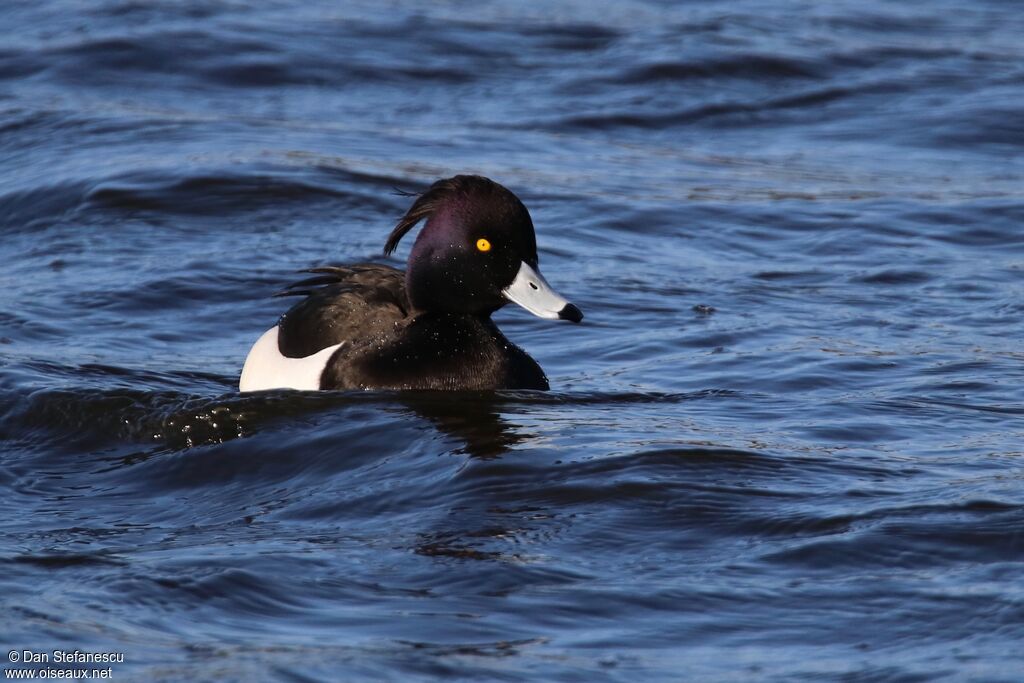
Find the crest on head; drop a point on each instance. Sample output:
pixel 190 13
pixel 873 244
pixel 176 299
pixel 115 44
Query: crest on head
pixel 474 204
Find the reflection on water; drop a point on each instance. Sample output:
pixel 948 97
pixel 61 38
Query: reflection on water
pixel 474 420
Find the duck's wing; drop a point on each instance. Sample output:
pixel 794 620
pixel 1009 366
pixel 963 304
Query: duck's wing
pixel 342 304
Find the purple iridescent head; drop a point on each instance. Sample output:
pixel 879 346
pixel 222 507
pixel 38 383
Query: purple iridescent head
pixel 476 252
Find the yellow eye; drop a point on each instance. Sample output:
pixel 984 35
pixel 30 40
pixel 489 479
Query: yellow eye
pixel 483 245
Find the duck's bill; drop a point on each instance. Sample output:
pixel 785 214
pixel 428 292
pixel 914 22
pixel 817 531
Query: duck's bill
pixel 531 291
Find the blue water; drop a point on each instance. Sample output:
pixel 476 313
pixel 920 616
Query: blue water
pixel 784 445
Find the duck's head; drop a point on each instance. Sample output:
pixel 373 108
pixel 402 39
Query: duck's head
pixel 476 252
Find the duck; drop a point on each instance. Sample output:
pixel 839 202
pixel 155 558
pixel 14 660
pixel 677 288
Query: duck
pixel 370 326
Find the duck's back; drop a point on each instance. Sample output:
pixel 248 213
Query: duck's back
pixel 343 305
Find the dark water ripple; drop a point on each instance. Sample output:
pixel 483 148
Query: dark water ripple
pixel 785 445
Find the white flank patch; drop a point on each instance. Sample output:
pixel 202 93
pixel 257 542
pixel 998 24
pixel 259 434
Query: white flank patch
pixel 266 368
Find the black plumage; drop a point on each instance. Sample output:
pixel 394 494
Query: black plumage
pixel 388 347
pixel 428 327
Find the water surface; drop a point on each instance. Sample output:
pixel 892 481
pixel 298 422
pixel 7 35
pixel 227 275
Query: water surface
pixel 784 445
